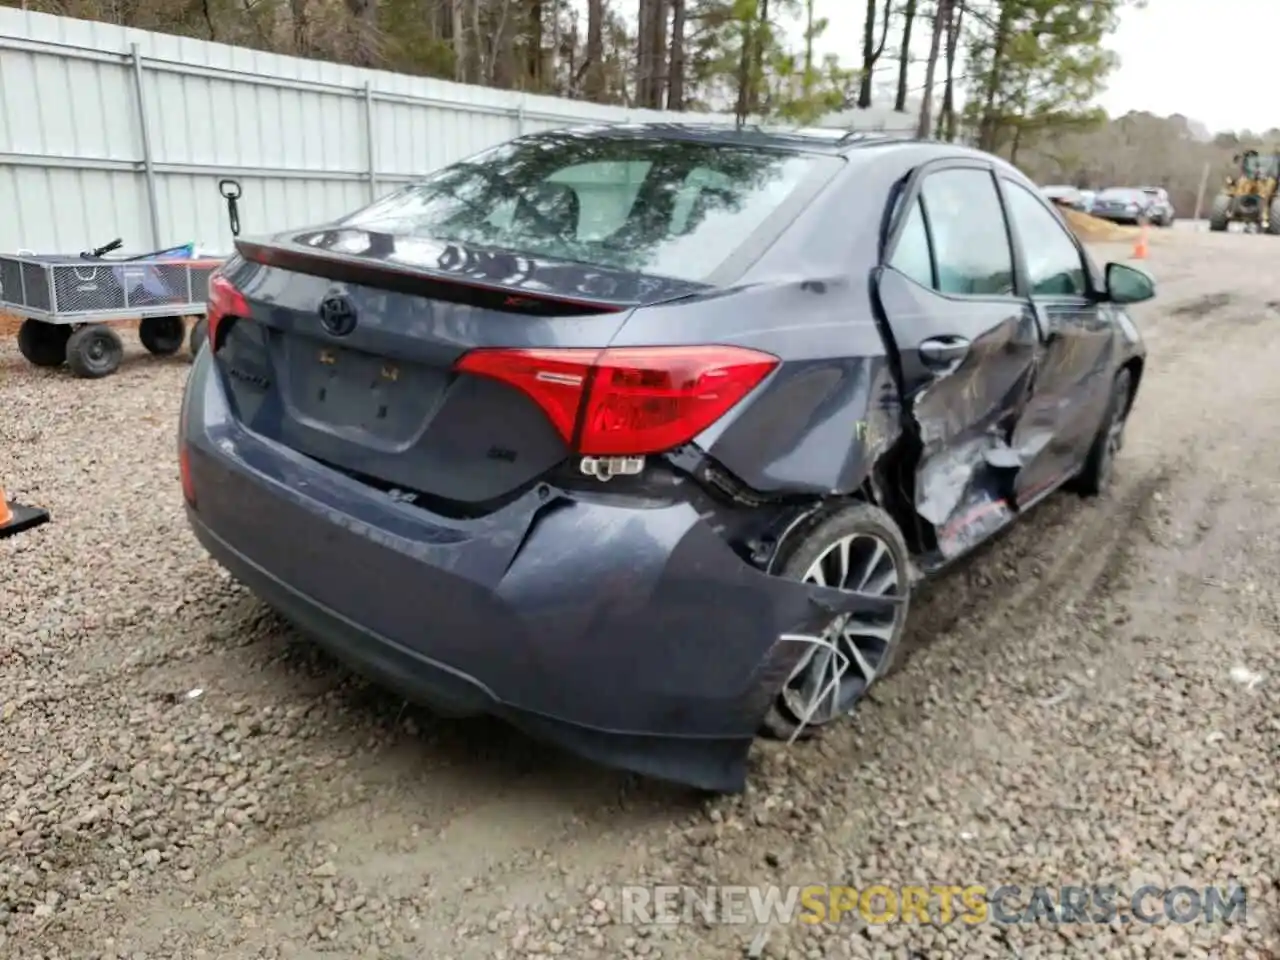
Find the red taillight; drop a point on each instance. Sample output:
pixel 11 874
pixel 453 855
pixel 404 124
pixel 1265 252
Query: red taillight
pixel 184 460
pixel 627 401
pixel 184 468
pixel 224 301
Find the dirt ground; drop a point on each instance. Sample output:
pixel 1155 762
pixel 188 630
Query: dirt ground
pixel 1090 701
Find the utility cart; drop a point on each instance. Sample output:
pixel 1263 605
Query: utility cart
pixel 66 303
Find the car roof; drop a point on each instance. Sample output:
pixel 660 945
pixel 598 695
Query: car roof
pixel 833 141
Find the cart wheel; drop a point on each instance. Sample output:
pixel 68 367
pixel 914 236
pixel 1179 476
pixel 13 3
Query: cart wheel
pixel 44 344
pixel 199 334
pixel 94 351
pixel 162 336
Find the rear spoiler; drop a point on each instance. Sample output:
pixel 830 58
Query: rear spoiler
pixel 467 275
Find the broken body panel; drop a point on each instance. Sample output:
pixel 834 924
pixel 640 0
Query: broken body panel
pixel 1004 393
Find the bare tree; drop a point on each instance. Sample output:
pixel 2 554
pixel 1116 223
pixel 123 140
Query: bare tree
pixel 458 18
pixel 941 15
pixel 534 41
pixel 676 67
pixel 947 116
pixel 871 51
pixel 904 56
pixel 364 31
pixel 592 68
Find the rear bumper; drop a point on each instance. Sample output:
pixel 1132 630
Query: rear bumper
pixel 629 634
pixel 709 763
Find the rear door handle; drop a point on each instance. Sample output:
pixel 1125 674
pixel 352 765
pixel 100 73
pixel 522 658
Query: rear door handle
pixel 939 352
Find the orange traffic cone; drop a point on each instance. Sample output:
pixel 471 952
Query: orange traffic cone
pixel 15 517
pixel 1140 245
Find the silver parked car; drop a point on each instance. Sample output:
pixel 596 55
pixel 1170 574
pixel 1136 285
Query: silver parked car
pixel 1065 196
pixel 1160 210
pixel 1121 205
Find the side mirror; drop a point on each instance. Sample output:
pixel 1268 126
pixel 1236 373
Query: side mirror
pixel 1126 284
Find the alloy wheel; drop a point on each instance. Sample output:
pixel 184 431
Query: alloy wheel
pixel 1113 439
pixel 849 654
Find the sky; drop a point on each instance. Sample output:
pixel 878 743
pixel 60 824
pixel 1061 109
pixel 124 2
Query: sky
pixel 1169 62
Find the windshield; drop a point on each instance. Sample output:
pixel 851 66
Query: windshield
pixel 667 207
pixel 1128 196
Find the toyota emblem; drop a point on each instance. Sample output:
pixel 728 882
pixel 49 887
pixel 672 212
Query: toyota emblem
pixel 337 315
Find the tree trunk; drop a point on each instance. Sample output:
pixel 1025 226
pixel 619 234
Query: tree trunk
pixel 364 21
pixel 644 36
pixel 651 44
pixel 503 66
pixel 757 72
pixel 948 117
pixel 594 66
pixel 742 108
pixel 940 17
pixel 807 80
pixel 480 71
pixel 659 71
pixel 989 126
pixel 870 51
pixel 675 80
pixel 553 60
pixel 868 55
pixel 904 56
pixel 535 43
pixel 301 34
pixel 457 13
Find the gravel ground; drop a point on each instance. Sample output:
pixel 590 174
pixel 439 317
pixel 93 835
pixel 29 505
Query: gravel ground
pixel 182 776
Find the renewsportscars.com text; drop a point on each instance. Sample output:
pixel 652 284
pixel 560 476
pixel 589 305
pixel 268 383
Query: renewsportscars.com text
pixel 944 904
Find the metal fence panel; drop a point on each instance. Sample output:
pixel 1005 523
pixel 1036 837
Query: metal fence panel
pixel 107 131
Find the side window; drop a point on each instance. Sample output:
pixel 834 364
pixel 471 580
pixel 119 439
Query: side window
pixel 912 256
pixel 970 240
pixel 1054 265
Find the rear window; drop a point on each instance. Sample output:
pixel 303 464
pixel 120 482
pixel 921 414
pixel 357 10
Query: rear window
pixel 671 208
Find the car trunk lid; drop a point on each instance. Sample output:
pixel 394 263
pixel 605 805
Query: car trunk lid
pixel 347 355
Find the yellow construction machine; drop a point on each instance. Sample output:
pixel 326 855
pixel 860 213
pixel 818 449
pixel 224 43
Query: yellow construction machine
pixel 1249 197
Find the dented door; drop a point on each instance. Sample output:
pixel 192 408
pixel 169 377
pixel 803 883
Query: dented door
pixel 1071 387
pixel 967 346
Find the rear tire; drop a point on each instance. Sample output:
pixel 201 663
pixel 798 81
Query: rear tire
pixel 1095 477
pixel 199 336
pixel 162 336
pixel 1220 213
pixel 1273 218
pixel 43 344
pixel 872 535
pixel 94 351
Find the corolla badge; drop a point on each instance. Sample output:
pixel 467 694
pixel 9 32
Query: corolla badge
pixel 337 315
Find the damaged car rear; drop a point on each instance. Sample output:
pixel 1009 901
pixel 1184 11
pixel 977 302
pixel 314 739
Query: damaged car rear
pixel 640 437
